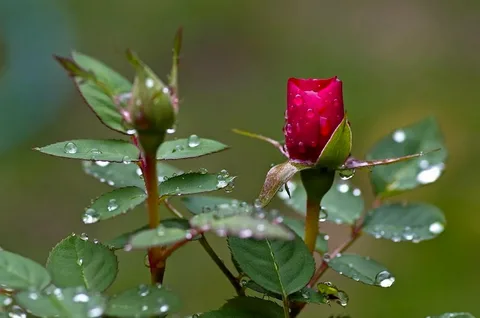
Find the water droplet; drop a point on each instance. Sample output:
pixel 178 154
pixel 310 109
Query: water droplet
pixel 230 186
pixel 112 205
pixel 305 295
pixel 90 216
pixel 326 237
pixel 81 298
pixel 310 113
pixel 203 171
pixel 143 290
pixel 7 301
pixel 166 90
pixel 436 228
pixel 323 215
pixel 399 136
pixel 396 237
pixel 126 160
pixel 356 192
pixel 243 281
pixel 408 234
pixel 326 257
pixel 33 295
pixel 257 203
pixel 423 164
pixel 102 163
pixel 261 227
pixel 80 261
pixel 430 174
pixel 70 148
pixel 131 132
pixel 346 174
pixel 193 141
pixel 139 172
pixel 342 298
pixel 384 279
pixel 301 147
pixel 343 187
pixel 179 148
pixel 160 230
pixel 95 311
pixel 16 312
pixel 172 130
pixel 149 82
pixel 298 100
pixel 245 233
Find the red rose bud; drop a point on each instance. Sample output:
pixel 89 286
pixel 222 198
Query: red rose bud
pixel 314 111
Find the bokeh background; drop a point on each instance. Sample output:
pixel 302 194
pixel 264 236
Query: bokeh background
pixel 399 60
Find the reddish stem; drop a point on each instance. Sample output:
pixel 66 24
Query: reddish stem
pixel 156 257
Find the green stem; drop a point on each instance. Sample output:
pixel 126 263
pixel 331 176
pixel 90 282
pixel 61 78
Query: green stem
pixel 317 182
pixel 233 280
pixel 156 258
pixel 311 223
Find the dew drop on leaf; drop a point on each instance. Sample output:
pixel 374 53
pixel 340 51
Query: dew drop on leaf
pixel 70 148
pixel 143 290
pixel 384 279
pixel 90 216
pixel 343 187
pixel 81 297
pixel 164 308
pixel 126 160
pixel 257 203
pixel 33 295
pixel 436 228
pixel 399 136
pixel 102 163
pixel 80 262
pixel 112 205
pixel 16 312
pixel 323 215
pixel 84 237
pixel 326 257
pixel 193 141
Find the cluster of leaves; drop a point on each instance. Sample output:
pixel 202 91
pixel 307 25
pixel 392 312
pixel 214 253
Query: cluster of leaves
pixel 267 249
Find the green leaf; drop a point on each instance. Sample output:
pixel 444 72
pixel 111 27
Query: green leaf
pixel 419 137
pixel 105 151
pixel 194 182
pixel 188 148
pixel 167 233
pixel 114 203
pixel 95 95
pixel 121 241
pixel 18 272
pixel 75 302
pixel 124 175
pixel 405 222
pixel 198 204
pixel 246 307
pixel 282 267
pixel 298 226
pixel 78 261
pixel 143 301
pixel 362 269
pixel 338 147
pixel 276 177
pixel 242 225
pixel 332 292
pixel 309 295
pixel 454 315
pixel 343 203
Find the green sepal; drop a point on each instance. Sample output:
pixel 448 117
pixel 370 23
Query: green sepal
pixel 338 147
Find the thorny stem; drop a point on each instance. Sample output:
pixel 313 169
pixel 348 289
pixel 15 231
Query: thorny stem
pixel 311 223
pixel 208 248
pixel 156 258
pixel 271 141
pixel 221 265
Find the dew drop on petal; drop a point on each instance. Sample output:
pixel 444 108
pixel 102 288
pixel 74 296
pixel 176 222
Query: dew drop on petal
pixel 310 113
pixel 70 148
pixel 297 100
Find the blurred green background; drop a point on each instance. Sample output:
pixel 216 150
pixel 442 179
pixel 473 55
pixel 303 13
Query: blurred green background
pixel 399 60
